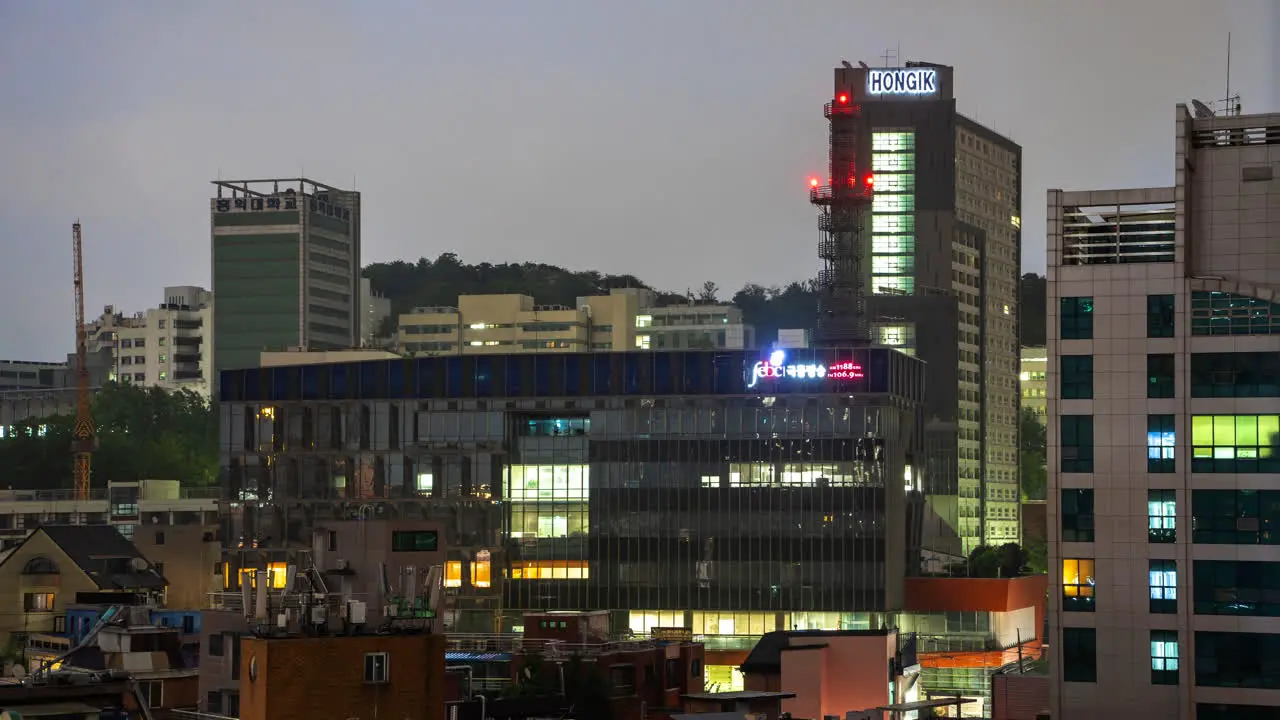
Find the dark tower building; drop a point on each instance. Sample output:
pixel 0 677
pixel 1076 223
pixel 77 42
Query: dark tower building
pixel 921 249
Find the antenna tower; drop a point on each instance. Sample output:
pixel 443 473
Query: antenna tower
pixel 842 206
pixel 83 436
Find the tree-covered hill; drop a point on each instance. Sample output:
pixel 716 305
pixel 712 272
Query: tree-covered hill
pixel 794 305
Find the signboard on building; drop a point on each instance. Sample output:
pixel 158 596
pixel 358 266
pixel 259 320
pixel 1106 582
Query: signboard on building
pixel 671 634
pixel 777 368
pixel 903 81
pixel 256 204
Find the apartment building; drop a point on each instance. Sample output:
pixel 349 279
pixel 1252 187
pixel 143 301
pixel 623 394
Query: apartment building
pixel 167 346
pixel 1032 376
pixel 1163 379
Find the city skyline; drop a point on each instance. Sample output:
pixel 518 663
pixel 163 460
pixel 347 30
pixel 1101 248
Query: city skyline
pixel 123 124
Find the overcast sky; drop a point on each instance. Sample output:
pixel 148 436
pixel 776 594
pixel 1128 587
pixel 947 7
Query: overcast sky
pixel 670 139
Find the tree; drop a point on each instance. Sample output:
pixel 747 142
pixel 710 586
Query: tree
pixel 1032 455
pixel 143 433
pixel 1038 557
pixel 709 293
pixel 1005 561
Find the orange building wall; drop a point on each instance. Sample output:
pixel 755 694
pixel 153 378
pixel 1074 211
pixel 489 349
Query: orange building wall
pixel 849 673
pixel 300 678
pixel 929 595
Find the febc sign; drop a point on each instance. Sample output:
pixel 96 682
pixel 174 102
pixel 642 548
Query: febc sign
pixel 903 81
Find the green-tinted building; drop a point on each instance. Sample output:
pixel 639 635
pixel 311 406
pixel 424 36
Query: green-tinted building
pixel 286 267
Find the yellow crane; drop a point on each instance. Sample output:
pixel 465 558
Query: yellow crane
pixel 84 438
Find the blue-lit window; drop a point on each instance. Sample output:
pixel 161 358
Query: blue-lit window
pixel 556 426
pixel 1164 657
pixel 1160 443
pixel 1162 579
pixel 1162 516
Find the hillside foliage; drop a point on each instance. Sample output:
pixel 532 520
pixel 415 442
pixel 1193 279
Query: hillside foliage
pixel 439 282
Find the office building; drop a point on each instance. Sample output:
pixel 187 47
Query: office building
pixel 166 346
pixel 374 310
pixel 921 221
pixel 712 490
pixel 286 268
pixel 32 375
pixel 1164 374
pixel 1032 369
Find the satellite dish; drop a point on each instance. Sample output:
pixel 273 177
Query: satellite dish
pixel 1201 110
pixel 138 564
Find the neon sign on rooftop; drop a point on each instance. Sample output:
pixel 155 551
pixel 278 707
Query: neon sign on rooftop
pixel 776 368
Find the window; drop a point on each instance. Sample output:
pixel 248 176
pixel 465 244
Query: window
pixel 1235 443
pixel 1162 513
pixel 1164 657
pixel 1237 660
pixel 1077 377
pixel 375 667
pixel 415 541
pixel 1077 585
pixel 1159 316
pixel 159 537
pixel 481 570
pixel 1079 654
pixel 1243 375
pixel 453 573
pixel 213 702
pixel 1077 516
pixel 1160 444
pixel 1235 517
pixel 1236 587
pixel 1076 449
pixel 1220 313
pixel 215 645
pixel 1162 580
pixel 1160 381
pixel 37 602
pixel 1075 318
pixel 550 570
pixel 153 691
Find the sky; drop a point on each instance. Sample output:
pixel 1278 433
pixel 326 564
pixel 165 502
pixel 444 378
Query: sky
pixel 669 139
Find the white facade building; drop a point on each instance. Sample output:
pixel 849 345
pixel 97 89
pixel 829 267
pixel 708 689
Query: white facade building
pixel 167 346
pixel 1163 412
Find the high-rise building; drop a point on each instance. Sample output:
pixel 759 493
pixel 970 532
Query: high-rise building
pixel 922 243
pixel 1032 376
pixel 374 310
pixel 286 268
pixel 1163 379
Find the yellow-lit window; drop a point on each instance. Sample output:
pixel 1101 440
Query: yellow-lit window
pixel 550 570
pixel 1077 584
pixel 453 573
pixel 480 573
pixel 277 576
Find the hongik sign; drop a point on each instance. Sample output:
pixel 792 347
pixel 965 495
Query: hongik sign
pixel 903 81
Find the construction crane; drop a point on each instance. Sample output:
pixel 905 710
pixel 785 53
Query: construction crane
pixel 83 437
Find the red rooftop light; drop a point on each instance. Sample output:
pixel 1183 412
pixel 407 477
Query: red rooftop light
pixel 843 98
pixel 870 181
pixel 813 182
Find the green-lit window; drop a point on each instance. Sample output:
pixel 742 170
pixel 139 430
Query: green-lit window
pixel 1162 516
pixel 1162 581
pixel 1242 375
pixel 893 244
pixel 1164 657
pixel 1077 515
pixel 1161 441
pixel 1160 376
pixel 1075 318
pixel 1076 451
pixel 1159 316
pixel 1077 377
pixel 1235 443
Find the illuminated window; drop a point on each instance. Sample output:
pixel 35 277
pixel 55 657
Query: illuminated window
pixel 893 285
pixel 895 335
pixel 642 621
pixel 893 244
pixel 277 574
pixel 710 481
pixel 1162 515
pixel 1235 443
pixel 897 141
pixel 893 223
pixel 883 203
pixel 1162 578
pixel 426 483
pixel 1220 313
pixel 1164 657
pixel 893 265
pixel 895 183
pixel 644 321
pixel 550 570
pixel 453 573
pixel 480 573
pixel 1075 318
pixel 533 483
pixel 642 342
pixel 1077 585
pixel 884 162
pixel 1160 443
pixel 37 602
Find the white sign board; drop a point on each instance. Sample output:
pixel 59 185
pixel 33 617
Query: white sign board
pixel 903 81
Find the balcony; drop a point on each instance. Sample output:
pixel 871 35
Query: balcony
pixel 840 109
pixel 828 195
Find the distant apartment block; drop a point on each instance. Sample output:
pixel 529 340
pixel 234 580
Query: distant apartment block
pixel 32 375
pixel 625 319
pixel 1032 379
pixel 166 346
pixel 374 309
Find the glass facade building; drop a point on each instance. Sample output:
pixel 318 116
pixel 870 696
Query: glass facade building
pixel 667 483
